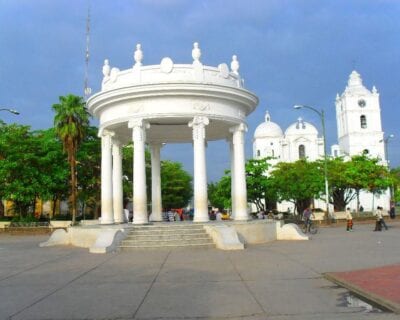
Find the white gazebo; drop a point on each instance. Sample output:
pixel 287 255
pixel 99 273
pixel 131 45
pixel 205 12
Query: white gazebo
pixel 169 103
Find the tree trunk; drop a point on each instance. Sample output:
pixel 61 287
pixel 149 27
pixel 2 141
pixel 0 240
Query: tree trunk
pixel 73 186
pixel 2 209
pixel 54 206
pixel 339 202
pixel 358 200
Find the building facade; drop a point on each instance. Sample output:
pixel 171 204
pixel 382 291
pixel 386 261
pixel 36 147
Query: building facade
pixel 359 130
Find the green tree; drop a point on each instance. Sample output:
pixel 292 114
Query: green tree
pixel 53 167
pixel 176 185
pixel 88 167
pixel 395 176
pixel 71 121
pixel 260 187
pixel 298 182
pixel 339 183
pixel 365 173
pixel 20 168
pixel 219 193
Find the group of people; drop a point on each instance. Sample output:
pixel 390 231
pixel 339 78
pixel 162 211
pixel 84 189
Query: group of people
pixel 380 222
pixel 173 215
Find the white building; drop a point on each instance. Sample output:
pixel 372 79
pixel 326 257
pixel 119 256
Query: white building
pixel 359 128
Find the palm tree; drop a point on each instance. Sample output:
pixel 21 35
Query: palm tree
pixel 71 122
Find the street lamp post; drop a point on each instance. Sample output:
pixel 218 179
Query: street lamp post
pixel 385 145
pixel 322 117
pixel 9 110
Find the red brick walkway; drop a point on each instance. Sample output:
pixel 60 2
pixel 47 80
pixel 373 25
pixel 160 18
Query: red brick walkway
pixel 378 285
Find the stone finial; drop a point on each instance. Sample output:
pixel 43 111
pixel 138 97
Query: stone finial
pixel 300 123
pixel 235 65
pixel 267 117
pixel 337 96
pixel 138 56
pixel 374 90
pixel 106 68
pixel 354 79
pixel 196 52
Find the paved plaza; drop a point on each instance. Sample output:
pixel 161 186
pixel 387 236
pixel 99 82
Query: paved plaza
pixel 280 280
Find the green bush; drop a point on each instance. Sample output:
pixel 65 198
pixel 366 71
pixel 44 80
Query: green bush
pixel 27 219
pixel 62 217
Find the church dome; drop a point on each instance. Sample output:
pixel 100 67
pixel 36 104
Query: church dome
pixel 268 129
pixel 300 127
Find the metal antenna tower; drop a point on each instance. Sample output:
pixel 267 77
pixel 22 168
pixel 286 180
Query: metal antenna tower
pixel 87 90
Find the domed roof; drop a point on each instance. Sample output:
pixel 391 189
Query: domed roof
pixel 268 129
pixel 300 127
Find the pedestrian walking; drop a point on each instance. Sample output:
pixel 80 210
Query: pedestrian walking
pixel 379 220
pixel 349 220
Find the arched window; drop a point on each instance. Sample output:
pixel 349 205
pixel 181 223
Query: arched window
pixel 258 153
pixel 272 153
pixel 302 151
pixel 363 121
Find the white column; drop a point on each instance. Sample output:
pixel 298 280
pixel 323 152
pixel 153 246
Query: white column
pixel 240 190
pixel 107 216
pixel 156 203
pixel 232 179
pixel 117 182
pixel 139 172
pixel 200 173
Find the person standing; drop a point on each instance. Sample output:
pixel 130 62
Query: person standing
pixel 392 212
pixel 349 220
pixel 307 218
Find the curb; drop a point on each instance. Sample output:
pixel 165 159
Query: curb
pixel 369 297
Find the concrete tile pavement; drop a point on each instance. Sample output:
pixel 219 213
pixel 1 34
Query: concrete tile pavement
pixel 279 280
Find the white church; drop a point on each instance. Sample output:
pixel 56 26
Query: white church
pixel 359 130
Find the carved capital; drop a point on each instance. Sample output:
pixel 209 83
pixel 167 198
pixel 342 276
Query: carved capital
pixel 106 138
pixel 240 127
pixel 156 145
pixel 138 127
pixel 198 124
pixel 238 132
pixel 105 132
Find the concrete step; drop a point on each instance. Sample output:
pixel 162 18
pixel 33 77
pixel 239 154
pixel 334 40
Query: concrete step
pixel 167 231
pixel 167 235
pixel 179 236
pixel 169 226
pixel 204 240
pixel 169 246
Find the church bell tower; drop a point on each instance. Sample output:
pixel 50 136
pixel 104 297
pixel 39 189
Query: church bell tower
pixel 358 117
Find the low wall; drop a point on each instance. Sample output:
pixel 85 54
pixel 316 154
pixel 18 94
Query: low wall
pixel 60 223
pixel 99 239
pixel 257 231
pixel 252 232
pixel 4 224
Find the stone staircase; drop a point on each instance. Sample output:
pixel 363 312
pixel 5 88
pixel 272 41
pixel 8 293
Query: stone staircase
pixel 167 235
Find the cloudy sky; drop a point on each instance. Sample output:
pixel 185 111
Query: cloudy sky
pixel 290 52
